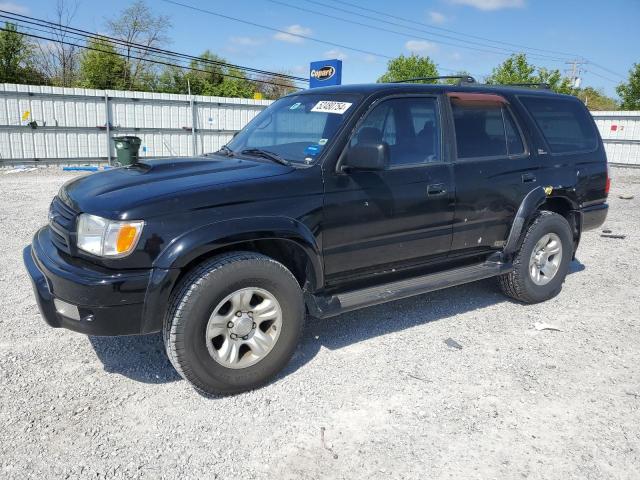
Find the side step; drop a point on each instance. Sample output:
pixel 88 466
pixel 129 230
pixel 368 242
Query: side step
pixel 328 306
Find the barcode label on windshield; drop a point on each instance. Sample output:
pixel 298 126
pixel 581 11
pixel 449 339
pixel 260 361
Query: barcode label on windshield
pixel 326 106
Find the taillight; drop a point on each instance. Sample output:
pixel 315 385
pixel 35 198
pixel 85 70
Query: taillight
pixel 607 186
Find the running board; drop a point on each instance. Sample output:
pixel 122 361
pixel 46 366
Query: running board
pixel 328 306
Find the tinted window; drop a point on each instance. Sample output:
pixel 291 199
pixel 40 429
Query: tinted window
pixel 410 126
pixel 514 139
pixel 564 123
pixel 479 130
pixel 485 131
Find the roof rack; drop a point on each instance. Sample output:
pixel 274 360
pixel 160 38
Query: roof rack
pixel 542 85
pixel 462 79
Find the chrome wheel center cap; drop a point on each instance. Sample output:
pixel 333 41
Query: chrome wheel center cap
pixel 243 325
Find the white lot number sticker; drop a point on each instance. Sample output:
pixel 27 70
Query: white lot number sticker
pixel 327 106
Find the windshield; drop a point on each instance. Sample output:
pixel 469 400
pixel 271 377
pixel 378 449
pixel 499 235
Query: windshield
pixel 296 128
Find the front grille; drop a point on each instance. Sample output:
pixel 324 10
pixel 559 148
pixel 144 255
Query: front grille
pixel 62 220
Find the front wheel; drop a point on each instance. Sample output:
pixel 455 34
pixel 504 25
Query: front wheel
pixel 541 264
pixel 234 322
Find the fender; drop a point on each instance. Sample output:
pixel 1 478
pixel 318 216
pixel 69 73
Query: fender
pixel 207 238
pixel 528 207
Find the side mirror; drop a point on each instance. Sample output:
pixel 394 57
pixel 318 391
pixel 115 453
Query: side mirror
pixel 366 156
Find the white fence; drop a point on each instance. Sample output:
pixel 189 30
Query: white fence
pixel 70 125
pixel 74 125
pixel 620 133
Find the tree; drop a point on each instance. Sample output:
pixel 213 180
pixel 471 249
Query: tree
pixel 276 88
pixel 138 25
pixel 517 69
pixel 208 75
pixel 58 60
pixel 101 66
pixel 16 57
pixel 630 91
pixel 404 68
pixel 596 99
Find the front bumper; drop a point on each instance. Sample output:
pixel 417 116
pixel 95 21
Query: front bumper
pixel 109 302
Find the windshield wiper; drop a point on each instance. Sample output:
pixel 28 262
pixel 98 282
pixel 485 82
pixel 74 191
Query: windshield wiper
pixel 259 152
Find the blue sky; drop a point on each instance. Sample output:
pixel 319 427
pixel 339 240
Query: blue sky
pixel 603 32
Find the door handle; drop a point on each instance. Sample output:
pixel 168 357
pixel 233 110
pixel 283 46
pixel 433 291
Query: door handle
pixel 436 189
pixel 528 178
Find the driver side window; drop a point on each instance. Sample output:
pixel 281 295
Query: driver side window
pixel 409 126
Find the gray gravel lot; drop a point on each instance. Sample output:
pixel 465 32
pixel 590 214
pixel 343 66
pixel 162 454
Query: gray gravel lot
pixel 393 399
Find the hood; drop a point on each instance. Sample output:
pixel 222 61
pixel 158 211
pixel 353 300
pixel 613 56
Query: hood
pixel 112 192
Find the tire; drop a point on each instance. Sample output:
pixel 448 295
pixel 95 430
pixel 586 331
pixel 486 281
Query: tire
pixel 521 284
pixel 204 361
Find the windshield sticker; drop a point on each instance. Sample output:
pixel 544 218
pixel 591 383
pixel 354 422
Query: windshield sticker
pixel 295 106
pixel 326 106
pixel 323 141
pixel 312 150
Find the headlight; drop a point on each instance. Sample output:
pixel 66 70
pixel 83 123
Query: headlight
pixel 107 238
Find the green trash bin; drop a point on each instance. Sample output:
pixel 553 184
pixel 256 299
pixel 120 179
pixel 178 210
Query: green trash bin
pixel 127 149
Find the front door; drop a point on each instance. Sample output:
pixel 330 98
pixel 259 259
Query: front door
pixel 376 221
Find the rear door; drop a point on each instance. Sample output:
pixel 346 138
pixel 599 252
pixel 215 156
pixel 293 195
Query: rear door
pixel 494 171
pixel 401 216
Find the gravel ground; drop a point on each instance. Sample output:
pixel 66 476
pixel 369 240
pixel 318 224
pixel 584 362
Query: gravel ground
pixel 390 398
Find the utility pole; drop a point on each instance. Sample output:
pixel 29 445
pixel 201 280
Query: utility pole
pixel 576 71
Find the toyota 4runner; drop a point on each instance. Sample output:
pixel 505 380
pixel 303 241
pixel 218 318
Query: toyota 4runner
pixel 330 200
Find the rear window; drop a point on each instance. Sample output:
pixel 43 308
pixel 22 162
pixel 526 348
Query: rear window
pixel 565 124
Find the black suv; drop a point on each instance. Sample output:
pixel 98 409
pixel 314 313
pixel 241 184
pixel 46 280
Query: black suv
pixel 330 200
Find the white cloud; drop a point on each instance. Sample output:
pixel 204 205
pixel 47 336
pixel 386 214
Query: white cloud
pixel 490 4
pixel 437 17
pixel 292 32
pixel 368 58
pixel 420 46
pixel 244 46
pixel 14 8
pixel 246 41
pixel 331 54
pixel 456 56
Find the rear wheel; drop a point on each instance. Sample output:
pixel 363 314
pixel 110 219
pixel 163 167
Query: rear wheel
pixel 234 322
pixel 541 264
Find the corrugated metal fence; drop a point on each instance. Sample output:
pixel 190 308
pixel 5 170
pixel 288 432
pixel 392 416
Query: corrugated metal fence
pixel 71 125
pixel 620 133
pixel 74 125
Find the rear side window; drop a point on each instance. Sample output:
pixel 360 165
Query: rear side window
pixel 485 130
pixel 565 123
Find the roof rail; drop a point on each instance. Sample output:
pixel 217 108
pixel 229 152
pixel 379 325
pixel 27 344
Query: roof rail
pixel 542 85
pixel 462 79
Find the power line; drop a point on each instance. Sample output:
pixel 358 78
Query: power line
pixel 343 2
pixel 408 35
pixel 277 30
pixel 71 30
pixel 425 26
pixel 157 62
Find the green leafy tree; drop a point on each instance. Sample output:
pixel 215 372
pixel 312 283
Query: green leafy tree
pixel 16 58
pixel 630 91
pixel 101 66
pixel 595 99
pixel 517 69
pixel 206 76
pixel 404 68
